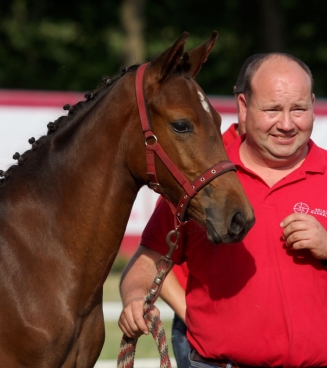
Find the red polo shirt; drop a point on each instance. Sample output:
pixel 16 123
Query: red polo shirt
pixel 253 302
pixel 230 134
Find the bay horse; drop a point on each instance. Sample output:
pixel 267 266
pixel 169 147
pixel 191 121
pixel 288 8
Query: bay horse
pixel 65 206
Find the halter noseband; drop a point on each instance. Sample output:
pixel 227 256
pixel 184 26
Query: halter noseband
pixel 190 188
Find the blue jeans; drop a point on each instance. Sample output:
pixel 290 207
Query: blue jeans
pixel 180 344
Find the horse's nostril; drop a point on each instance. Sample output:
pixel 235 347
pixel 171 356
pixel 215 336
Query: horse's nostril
pixel 237 224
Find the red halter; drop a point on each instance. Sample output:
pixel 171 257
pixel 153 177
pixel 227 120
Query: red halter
pixel 190 188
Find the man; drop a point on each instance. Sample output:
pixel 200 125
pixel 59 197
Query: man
pixel 261 302
pixel 173 289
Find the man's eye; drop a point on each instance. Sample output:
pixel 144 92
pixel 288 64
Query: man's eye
pixel 182 126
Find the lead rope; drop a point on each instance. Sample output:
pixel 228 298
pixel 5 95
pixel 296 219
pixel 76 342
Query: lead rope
pixel 128 345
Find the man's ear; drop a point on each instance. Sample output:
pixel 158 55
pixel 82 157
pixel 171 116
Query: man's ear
pixel 313 99
pixel 242 106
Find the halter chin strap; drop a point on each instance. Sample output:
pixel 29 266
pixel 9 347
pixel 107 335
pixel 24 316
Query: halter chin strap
pixel 153 147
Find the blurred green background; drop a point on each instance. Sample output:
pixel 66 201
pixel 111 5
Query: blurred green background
pixel 69 45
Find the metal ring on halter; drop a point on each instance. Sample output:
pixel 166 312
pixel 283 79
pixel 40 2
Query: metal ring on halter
pixel 151 136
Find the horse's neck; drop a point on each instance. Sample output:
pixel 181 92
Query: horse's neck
pixel 99 188
pixel 85 191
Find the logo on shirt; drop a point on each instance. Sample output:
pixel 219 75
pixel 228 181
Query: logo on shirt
pixel 301 208
pixel 304 208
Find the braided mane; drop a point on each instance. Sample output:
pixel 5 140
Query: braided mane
pixel 62 124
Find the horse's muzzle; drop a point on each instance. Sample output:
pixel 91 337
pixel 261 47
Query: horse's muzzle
pixel 237 228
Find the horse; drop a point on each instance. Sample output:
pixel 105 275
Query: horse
pixel 64 206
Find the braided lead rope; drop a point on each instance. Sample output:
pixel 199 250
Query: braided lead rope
pixel 157 330
pixel 128 345
pixel 126 352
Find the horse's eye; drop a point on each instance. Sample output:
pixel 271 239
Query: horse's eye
pixel 182 126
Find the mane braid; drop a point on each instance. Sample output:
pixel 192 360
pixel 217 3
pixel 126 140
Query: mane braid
pixel 64 124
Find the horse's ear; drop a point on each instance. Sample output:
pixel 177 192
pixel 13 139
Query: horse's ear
pixel 167 62
pixel 200 54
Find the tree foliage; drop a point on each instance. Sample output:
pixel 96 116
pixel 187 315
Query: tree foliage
pixel 70 45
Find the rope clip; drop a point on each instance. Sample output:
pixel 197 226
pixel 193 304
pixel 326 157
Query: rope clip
pixel 172 245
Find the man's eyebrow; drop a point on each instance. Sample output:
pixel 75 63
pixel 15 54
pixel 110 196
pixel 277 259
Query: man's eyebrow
pixel 303 103
pixel 271 105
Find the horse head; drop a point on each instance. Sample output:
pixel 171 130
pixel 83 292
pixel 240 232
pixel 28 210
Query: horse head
pixel 188 129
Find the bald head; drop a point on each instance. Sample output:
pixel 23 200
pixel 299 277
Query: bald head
pixel 272 64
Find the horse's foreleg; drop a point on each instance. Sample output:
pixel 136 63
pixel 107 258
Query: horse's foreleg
pixel 88 345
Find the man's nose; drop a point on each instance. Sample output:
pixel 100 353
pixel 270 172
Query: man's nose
pixel 285 122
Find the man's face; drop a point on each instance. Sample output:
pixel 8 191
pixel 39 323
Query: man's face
pixel 279 117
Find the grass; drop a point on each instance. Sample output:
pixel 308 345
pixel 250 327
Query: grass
pixel 146 346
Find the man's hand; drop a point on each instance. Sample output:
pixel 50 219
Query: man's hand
pixel 131 320
pixel 303 231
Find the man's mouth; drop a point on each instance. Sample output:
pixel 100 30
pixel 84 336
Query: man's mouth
pixel 283 137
